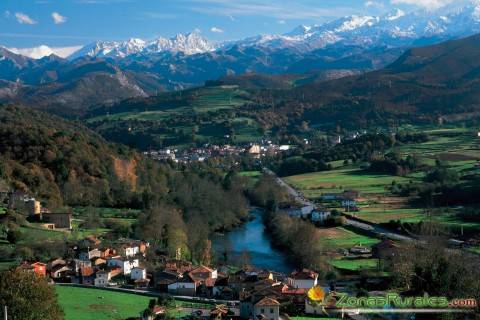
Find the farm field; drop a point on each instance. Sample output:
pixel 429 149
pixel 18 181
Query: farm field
pixel 312 185
pixel 377 214
pixel 94 304
pixel 355 264
pixel 341 238
pixel 81 303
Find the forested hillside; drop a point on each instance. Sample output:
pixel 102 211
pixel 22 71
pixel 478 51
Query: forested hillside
pixel 64 163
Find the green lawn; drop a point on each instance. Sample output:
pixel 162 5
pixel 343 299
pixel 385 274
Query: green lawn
pixel 94 304
pixel 341 238
pixel 316 183
pixel 355 264
pixel 377 214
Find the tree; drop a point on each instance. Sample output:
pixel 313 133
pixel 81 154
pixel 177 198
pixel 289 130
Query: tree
pixel 28 296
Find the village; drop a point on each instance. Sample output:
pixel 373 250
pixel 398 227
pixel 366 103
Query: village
pixel 245 290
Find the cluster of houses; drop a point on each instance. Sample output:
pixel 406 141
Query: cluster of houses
pixel 347 200
pixel 33 209
pixel 207 151
pixel 94 264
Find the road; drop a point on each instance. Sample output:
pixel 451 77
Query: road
pixel 370 227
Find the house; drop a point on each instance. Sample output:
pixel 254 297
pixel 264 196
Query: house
pixel 267 308
pixel 385 249
pixel 102 278
pixel 303 279
pixel 107 252
pixel 141 283
pixel 59 271
pixel 60 220
pixel 55 262
pixel 96 262
pixel 222 288
pixel 39 268
pixel 77 264
pixel 86 275
pixel 123 263
pixel 184 285
pixel 130 248
pixel 163 279
pixel 204 278
pixel 89 254
pixel 298 211
pixel 138 273
pixel 22 202
pixel 359 249
pixel 321 215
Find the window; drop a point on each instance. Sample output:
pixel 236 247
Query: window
pixel 271 310
pixel 262 310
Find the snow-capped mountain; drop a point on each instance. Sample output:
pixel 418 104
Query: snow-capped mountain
pixel 190 43
pixel 396 28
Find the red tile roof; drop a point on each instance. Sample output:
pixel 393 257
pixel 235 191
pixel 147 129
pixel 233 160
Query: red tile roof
pixel 267 302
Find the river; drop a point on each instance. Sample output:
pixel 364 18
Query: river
pixel 252 239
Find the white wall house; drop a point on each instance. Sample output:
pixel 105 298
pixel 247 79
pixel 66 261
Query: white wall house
pixel 138 273
pixel 123 263
pixel 131 251
pixel 188 288
pixel 320 216
pixel 304 279
pixel 102 278
pixel 90 254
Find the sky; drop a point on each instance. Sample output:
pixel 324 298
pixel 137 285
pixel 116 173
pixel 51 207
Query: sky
pixel 64 23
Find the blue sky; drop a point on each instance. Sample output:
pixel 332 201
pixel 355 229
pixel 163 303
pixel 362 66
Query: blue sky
pixel 27 23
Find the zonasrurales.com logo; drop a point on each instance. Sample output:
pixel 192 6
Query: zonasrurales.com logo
pixel 389 303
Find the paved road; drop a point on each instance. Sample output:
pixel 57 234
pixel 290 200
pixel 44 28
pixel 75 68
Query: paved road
pixel 370 227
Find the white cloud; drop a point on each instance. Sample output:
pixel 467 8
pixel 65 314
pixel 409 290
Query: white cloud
pixel 216 30
pixel 58 18
pixel 24 19
pixel 44 51
pixel 281 21
pixel 7 14
pixel 429 4
pixel 374 4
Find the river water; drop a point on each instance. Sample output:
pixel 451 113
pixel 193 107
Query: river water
pixel 252 239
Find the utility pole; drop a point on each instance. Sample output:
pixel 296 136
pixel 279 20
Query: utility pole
pixel 5 313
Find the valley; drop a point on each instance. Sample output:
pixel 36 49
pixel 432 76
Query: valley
pixel 264 177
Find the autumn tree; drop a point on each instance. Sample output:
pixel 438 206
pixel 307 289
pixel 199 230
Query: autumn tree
pixel 28 296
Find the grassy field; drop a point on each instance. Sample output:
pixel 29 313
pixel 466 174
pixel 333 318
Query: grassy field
pixel 94 304
pixel 377 214
pixel 316 183
pixel 355 264
pixel 341 238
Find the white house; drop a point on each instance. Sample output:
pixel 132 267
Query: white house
pixel 90 254
pixel 138 273
pixel 320 215
pixel 304 279
pixel 123 263
pixel 102 278
pixel 348 203
pixel 183 286
pixel 267 308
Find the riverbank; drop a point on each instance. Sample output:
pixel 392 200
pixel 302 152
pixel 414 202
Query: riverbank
pixel 251 243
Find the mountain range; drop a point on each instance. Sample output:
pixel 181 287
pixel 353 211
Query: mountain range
pixel 106 72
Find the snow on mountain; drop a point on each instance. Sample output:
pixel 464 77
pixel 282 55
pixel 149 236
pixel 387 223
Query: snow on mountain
pixel 44 51
pixel 190 43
